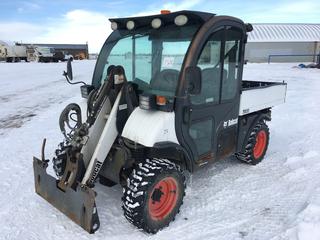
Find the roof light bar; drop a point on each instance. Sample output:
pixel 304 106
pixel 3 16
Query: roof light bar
pixel 181 20
pixel 156 23
pixel 130 25
pixel 114 26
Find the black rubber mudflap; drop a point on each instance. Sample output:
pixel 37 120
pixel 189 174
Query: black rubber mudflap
pixel 79 205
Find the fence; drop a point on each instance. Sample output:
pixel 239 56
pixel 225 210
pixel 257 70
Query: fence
pixel 295 55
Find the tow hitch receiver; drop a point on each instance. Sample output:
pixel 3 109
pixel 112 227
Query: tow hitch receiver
pixel 79 205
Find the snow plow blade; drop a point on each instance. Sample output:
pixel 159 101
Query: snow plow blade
pixel 79 205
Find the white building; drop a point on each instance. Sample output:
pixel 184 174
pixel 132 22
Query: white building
pixel 294 40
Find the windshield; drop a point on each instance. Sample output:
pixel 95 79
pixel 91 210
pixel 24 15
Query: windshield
pixel 152 58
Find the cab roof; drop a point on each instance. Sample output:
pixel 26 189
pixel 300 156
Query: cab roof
pixel 193 16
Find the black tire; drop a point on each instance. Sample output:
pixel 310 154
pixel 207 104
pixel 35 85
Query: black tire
pixel 59 161
pixel 106 182
pixel 256 144
pixel 59 165
pixel 143 193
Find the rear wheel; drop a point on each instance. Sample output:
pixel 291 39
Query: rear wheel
pixel 154 194
pixel 256 144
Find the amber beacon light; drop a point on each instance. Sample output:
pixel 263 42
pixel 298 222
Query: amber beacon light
pixel 165 11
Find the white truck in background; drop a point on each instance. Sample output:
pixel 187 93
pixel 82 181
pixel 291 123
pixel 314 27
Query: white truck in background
pixel 45 54
pixel 2 52
pixel 31 53
pixel 13 53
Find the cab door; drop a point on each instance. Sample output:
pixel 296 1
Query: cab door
pixel 209 119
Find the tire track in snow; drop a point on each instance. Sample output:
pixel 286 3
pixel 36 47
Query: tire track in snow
pixel 21 101
pixel 41 97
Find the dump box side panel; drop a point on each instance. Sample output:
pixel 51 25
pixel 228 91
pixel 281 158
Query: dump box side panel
pixel 258 98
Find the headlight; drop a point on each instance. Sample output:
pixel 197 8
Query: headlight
pixel 85 90
pixel 181 20
pixel 114 26
pixel 156 23
pixel 130 25
pixel 147 101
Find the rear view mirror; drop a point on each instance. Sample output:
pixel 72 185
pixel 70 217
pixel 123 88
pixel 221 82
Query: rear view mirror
pixel 193 79
pixel 69 69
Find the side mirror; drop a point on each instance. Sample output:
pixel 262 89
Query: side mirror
pixel 69 76
pixel 193 79
pixel 69 69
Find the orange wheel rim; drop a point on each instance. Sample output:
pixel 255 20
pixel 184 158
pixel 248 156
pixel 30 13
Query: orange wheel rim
pixel 261 142
pixel 163 198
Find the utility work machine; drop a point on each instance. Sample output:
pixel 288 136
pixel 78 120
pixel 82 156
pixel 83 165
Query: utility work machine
pixel 167 96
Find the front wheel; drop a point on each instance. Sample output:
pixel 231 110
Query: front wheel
pixel 256 144
pixel 154 194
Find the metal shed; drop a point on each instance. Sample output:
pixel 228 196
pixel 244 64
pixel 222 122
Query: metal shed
pixel 283 43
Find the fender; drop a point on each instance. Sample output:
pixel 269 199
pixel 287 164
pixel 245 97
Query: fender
pixel 148 127
pixel 245 124
pixel 166 146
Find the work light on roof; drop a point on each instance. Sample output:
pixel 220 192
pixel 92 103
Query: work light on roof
pixel 114 26
pixel 181 20
pixel 130 25
pixel 156 23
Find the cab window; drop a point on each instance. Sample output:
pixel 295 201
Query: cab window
pixel 210 64
pixel 219 63
pixel 231 64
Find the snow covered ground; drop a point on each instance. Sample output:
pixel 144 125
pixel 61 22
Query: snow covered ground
pixel 277 199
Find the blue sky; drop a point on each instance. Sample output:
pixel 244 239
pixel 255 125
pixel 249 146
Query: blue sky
pixel 80 21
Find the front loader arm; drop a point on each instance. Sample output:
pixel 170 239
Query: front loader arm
pixel 106 140
pixel 72 193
